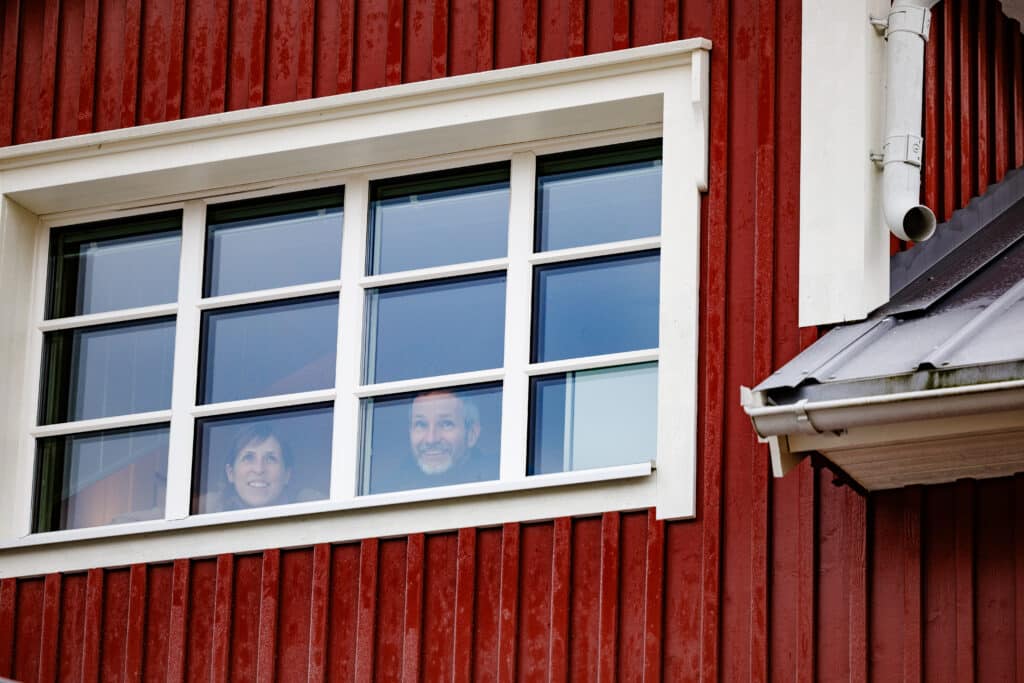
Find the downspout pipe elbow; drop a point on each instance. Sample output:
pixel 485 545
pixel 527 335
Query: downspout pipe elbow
pixel 906 32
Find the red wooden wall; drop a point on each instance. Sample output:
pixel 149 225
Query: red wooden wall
pixel 784 580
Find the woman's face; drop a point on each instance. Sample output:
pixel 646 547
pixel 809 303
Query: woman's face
pixel 258 473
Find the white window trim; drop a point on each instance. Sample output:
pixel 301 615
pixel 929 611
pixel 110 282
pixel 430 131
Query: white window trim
pixel 587 101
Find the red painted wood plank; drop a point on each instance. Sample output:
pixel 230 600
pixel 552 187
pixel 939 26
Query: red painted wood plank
pixel 28 117
pixel 69 65
pixel 389 611
pixel 912 642
pixel 372 44
pixel 833 655
pixel 206 50
pixel 177 627
pixel 87 66
pixel 270 588
pixel 654 596
pixel 245 616
pixel 9 71
pixel 536 548
pixel 561 589
pixel 413 630
pixel 295 610
pixel 620 25
pixel 47 72
pixel 982 112
pixel 485 58
pixel 968 147
pixel 1018 99
pixel 1002 87
pixel 950 147
pixel 646 22
pixel 857 580
pixel 439 57
pixel 289 51
pixel 964 549
pixel 630 638
pixel 93 626
pixel 344 611
pixel 318 618
pixel 393 61
pixel 487 603
pixel 530 32
pixel 577 10
pixel 307 48
pixel 584 612
pixel 418 37
pixel 202 597
pixel 223 603
pixel 28 628
pixel 608 596
pixel 135 648
pixel 49 631
pixel 931 172
pixel 72 627
pixel 327 48
pixel 464 36
pixel 115 622
pixel 887 601
pixel 175 71
pixel 130 56
pixel 670 18
pixel 438 623
pixel 553 30
pixel 8 616
pixel 465 588
pixel 158 618
pixel 367 601
pixel 509 605
pixel 996 656
pixel 938 540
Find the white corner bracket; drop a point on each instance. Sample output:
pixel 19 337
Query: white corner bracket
pixel 699 92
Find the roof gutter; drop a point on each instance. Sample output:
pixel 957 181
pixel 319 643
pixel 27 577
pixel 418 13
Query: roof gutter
pixel 906 30
pixel 775 424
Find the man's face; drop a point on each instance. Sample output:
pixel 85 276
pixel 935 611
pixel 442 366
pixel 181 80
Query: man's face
pixel 438 433
pixel 258 473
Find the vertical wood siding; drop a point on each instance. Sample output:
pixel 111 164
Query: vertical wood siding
pixel 794 580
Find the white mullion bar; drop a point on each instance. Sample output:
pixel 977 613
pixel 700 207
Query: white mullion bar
pixel 94 425
pixel 518 297
pixel 108 317
pixel 263 403
pixel 595 250
pixel 263 295
pixel 426 274
pixel 345 448
pixel 593 362
pixel 186 361
pixel 427 383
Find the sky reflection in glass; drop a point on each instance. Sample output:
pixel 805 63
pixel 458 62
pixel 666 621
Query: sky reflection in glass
pixel 435 328
pixel 105 477
pixel 107 370
pixel 597 306
pixel 268 349
pixel 439 220
pixel 593 418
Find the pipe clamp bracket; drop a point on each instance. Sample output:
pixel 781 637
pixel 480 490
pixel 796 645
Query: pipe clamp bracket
pixel 905 149
pixel 910 19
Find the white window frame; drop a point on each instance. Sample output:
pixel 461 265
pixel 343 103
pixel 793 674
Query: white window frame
pixel 349 140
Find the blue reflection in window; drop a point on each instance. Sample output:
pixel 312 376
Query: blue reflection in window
pixel 114 265
pixel 106 477
pixel 297 243
pixel 431 438
pixel 435 328
pixel 268 349
pixel 260 459
pixel 107 370
pixel 593 418
pixel 439 219
pixel 597 306
pixel 581 206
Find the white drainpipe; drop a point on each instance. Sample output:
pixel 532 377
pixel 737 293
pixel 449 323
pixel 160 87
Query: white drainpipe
pixel 906 32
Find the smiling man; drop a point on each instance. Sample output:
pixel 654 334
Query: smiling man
pixel 444 429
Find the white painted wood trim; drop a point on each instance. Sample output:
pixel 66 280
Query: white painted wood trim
pixel 595 250
pixel 436 273
pixel 108 317
pixel 264 295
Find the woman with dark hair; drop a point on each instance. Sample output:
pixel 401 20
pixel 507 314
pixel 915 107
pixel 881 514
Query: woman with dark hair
pixel 258 468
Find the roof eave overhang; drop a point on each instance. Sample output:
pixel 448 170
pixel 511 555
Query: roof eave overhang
pixel 972 431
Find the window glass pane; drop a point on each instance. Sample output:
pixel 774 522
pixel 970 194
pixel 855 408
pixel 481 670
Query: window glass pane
pixel 435 328
pixel 114 265
pixel 107 370
pixel 273 242
pixel 106 477
pixel 260 459
pixel 593 418
pixel 268 349
pixel 431 438
pixel 438 219
pixel 586 308
pixel 602 195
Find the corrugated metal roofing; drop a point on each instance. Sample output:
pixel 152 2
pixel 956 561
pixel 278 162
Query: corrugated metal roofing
pixel 956 316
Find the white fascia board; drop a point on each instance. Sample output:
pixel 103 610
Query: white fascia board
pixel 844 244
pixel 552 99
